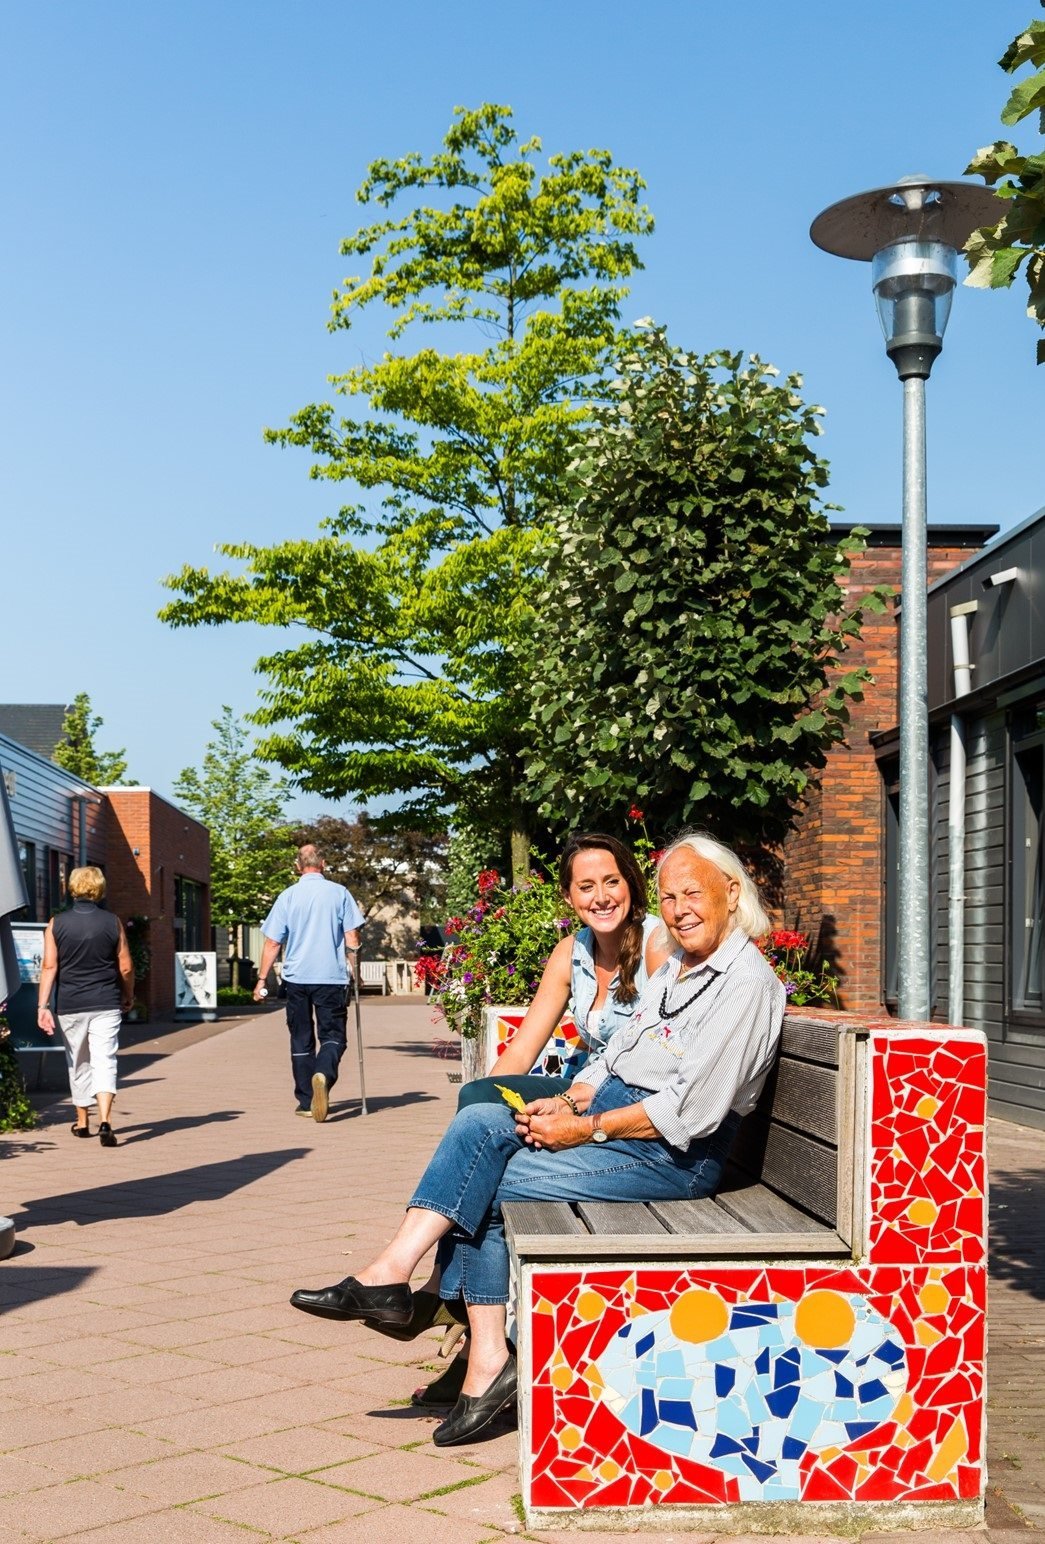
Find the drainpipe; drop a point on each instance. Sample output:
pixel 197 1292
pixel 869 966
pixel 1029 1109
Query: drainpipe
pixel 956 818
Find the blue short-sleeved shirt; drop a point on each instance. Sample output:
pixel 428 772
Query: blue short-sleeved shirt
pixel 310 919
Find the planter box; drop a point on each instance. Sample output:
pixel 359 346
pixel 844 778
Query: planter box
pixel 562 1056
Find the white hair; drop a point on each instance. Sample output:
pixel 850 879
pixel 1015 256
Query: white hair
pixel 750 913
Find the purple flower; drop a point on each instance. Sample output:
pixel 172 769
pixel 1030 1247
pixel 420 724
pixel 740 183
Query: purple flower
pixel 790 987
pixel 562 923
pixel 511 970
pixel 468 978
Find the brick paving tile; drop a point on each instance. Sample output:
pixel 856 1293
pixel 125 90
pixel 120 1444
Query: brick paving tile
pixel 286 1507
pixel 18 1474
pixel 404 1525
pixel 299 1450
pixel 181 1526
pixel 401 1476
pixel 63 1510
pixel 94 1453
pixel 185 1477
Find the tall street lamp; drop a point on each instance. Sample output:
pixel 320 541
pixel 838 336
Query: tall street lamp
pixel 911 234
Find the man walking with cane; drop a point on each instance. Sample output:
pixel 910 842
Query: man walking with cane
pixel 312 921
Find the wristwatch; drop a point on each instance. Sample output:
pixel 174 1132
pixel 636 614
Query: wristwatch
pixel 597 1133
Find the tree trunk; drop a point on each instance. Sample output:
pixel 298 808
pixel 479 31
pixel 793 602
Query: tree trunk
pixel 520 856
pixel 236 952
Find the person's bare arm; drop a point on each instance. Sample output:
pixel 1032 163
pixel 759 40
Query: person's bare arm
pixel 48 971
pixel 352 939
pixel 548 1006
pixel 125 965
pixel 269 950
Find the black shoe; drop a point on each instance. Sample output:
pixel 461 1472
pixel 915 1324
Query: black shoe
pixel 81 1131
pixel 350 1299
pixel 444 1390
pixel 106 1135
pixel 473 1413
pixel 428 1309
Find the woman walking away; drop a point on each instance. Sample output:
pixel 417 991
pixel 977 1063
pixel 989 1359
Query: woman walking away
pixel 86 949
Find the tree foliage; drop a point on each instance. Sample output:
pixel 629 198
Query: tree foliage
pixel 997 253
pixel 381 867
pixel 242 805
pixel 690 628
pixel 409 683
pixel 76 750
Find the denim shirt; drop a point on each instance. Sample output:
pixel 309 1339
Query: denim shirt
pixel 583 987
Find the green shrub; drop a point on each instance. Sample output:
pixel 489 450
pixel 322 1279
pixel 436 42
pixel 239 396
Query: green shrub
pixel 16 1113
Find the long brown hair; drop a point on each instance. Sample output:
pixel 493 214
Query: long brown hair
pixel 631 940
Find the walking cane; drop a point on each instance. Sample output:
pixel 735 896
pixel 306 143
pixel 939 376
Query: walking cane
pixel 359 1027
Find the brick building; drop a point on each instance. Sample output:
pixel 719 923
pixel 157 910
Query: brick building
pixel 156 859
pixel 835 862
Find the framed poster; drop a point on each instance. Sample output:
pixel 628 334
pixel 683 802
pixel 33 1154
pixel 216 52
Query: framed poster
pixel 196 983
pixel 29 947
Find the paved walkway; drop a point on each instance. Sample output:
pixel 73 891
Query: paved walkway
pixel 155 1388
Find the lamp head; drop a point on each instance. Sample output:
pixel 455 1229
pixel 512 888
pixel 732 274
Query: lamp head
pixel 911 234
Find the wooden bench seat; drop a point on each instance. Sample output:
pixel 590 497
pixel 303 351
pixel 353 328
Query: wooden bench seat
pixel 780 1194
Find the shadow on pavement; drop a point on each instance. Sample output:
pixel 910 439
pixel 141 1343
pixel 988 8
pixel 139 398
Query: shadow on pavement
pixel 438 1050
pixel 34 1283
pixel 143 1131
pixel 375 1103
pixel 1017 1230
pixel 158 1194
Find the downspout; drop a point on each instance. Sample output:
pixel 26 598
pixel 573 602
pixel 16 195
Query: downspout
pixel 956 818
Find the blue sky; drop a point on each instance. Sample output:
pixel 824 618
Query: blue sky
pixel 180 172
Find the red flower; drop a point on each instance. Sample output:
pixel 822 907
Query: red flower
pixel 488 880
pixel 634 813
pixel 782 938
pixel 454 925
pixel 656 855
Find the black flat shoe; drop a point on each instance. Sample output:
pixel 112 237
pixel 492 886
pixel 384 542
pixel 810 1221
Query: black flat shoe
pixel 81 1131
pixel 473 1413
pixel 106 1135
pixel 444 1390
pixel 428 1309
pixel 350 1299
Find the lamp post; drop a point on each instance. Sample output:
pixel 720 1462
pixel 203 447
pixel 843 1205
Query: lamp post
pixel 911 234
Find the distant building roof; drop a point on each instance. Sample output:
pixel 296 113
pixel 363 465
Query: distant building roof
pixel 36 725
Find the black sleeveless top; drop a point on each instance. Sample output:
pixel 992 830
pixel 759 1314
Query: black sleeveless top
pixel 87 939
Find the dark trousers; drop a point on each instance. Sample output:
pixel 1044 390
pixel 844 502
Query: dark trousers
pixel 329 1004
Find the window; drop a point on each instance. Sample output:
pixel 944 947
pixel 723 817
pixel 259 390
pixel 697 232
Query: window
pixel 188 919
pixel 1027 873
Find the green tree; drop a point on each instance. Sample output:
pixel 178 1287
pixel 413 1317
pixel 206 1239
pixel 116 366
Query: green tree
pixel 76 750
pixel 997 253
pixel 380 866
pixel 694 614
pixel 242 806
pixel 408 683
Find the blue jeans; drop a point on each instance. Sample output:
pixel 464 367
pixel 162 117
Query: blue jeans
pixel 482 1162
pixel 329 1003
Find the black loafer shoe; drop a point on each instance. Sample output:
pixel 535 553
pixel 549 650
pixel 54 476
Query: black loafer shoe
pixel 350 1299
pixel 473 1413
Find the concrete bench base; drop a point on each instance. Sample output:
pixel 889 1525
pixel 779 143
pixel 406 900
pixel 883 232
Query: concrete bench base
pixel 7 1237
pixel 807 1517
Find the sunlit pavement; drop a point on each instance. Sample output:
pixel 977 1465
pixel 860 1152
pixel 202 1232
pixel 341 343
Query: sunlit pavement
pixel 155 1386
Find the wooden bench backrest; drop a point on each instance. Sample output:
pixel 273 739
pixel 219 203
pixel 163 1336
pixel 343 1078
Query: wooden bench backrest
pixel 790 1142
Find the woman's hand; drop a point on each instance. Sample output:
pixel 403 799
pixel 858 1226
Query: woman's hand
pixel 550 1123
pixel 45 1021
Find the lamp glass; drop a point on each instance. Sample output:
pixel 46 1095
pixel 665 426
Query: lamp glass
pixel 913 285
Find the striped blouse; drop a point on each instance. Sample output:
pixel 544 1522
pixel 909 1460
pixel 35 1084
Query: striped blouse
pixel 702 1041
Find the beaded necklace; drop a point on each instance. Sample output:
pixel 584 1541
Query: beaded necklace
pixel 673 1013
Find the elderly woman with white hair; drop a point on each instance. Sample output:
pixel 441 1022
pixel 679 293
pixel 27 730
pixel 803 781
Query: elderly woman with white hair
pixel 651 1117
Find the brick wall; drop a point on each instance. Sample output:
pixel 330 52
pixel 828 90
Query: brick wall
pixel 834 862
pixel 151 844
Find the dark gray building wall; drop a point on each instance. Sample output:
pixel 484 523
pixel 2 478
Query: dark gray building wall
pixel 46 804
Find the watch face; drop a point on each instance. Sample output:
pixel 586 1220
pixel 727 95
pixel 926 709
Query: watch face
pixel 599 1135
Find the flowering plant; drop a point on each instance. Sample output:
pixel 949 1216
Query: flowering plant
pixel 497 950
pixel 786 952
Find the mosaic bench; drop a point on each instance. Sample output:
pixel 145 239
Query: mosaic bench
pixel 804 1351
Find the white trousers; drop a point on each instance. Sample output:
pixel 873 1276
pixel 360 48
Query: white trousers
pixel 90 1052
